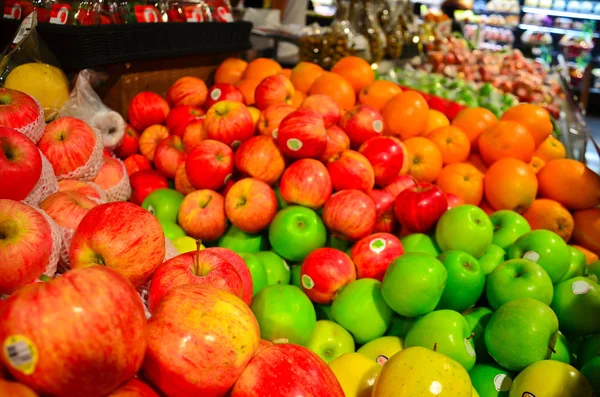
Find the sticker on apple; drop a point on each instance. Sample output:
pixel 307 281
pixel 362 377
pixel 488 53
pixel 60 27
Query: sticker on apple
pixel 307 282
pixel 580 287
pixel 294 144
pixel 377 245
pixel 377 126
pixel 215 94
pixel 532 256
pixel 275 133
pixel 21 353
pixel 469 348
pixel 502 382
pixel 381 359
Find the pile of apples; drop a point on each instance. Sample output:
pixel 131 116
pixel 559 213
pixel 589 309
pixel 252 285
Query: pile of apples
pixel 312 263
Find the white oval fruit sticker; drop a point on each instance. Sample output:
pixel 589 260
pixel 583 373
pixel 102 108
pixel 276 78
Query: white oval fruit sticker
pixel 275 133
pixel 377 245
pixel 215 94
pixel 307 282
pixel 21 353
pixel 469 348
pixel 532 256
pixel 580 287
pixel 294 144
pixel 502 382
pixel 378 126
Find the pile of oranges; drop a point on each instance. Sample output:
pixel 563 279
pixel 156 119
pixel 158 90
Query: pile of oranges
pixel 513 162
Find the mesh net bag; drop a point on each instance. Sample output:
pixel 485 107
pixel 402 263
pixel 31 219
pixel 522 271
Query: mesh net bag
pixel 89 170
pixel 103 196
pixel 64 264
pixel 56 244
pixel 122 190
pixel 35 129
pixel 99 197
pixel 46 185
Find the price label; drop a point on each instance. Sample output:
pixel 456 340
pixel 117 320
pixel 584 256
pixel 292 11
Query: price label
pixel 223 14
pixel 59 14
pixel 146 14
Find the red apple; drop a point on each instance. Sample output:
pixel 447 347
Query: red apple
pixel 134 388
pixel 223 92
pixel 194 134
pixel 230 182
pixel 384 209
pixel 180 117
pixel 325 106
pixel 242 269
pixel 145 182
pixel 111 176
pixel 373 254
pixel 418 208
pixel 337 142
pixel 102 338
pixel 146 109
pixel 67 208
pixel 306 182
pixel 273 89
pixel 453 200
pixel 209 165
pixel 270 118
pixel 130 144
pixel 324 272
pixel 401 182
pixel 68 144
pixel 25 245
pixel 302 134
pixel 351 170
pixel 136 162
pixel 169 155
pixel 187 91
pixel 122 236
pixel 150 139
pixel 15 389
pixel 260 158
pixel 229 122
pixel 202 267
pixel 294 369
pixel 386 155
pixel 202 215
pixel 182 183
pixel 214 335
pixel 21 112
pixel 361 123
pixel 250 205
pixel 87 189
pixel 20 165
pixel 349 214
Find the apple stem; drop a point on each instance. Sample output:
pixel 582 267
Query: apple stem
pixel 472 335
pixel 198 249
pixel 435 347
pixel 552 349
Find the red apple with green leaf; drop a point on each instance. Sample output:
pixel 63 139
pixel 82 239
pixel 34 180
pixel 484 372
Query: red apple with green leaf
pixel 169 155
pixel 20 165
pixel 418 208
pixel 373 254
pixel 351 170
pixel 209 165
pixel 229 122
pixel 306 182
pixel 250 205
pixel 180 117
pixel 260 158
pixel 273 89
pixel 146 109
pixel 361 123
pixel 324 272
pixel 301 134
pixel 325 106
pixel 349 214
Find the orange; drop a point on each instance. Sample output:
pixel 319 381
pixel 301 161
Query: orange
pixel 304 75
pixel 336 87
pixel 378 93
pixel 435 120
pixel 486 207
pixel 536 164
pixel 247 88
pixel 286 72
pixel 506 139
pixel 453 144
pixel 356 70
pixel 260 68
pixel 477 161
pixel 510 184
pixel 589 255
pixel 405 115
pixel 297 99
pixel 473 121
pixel 462 180
pixel 551 149
pixel 587 229
pixel 550 215
pixel 570 183
pixel 534 118
pixel 425 159
pixel 230 71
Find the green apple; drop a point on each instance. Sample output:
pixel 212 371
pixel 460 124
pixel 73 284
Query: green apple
pixel 576 303
pixel 591 371
pixel 171 230
pixel 186 244
pixel 337 243
pixel 577 265
pixel 465 228
pixel 421 243
pixel 508 227
pixel 295 276
pixel 330 340
pixel 277 269
pixel 562 350
pixel 323 312
pixel 385 346
pixel 361 309
pixel 589 349
pixel 520 333
pixel 547 249
pixel 163 204
pixel 593 270
pixel 257 271
pixel 478 318
pixel 240 241
pixel 465 281
pixel 550 378
pixel 446 332
pixel 284 311
pixel 493 257
pixel 490 380
pixel 413 284
pixel 281 203
pixel 401 325
pixel 518 278
pixel 296 231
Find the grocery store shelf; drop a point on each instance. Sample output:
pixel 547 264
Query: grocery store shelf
pixel 504 13
pixel 556 13
pixel 551 30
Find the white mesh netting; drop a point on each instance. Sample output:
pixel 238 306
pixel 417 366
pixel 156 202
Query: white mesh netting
pixel 56 244
pixel 35 129
pixel 46 185
pixel 122 190
pixel 103 199
pixel 89 170
pixel 111 127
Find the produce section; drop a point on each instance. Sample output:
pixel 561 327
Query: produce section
pixel 271 231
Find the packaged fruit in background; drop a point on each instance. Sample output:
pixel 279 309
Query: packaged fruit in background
pixel 220 10
pixel 189 11
pixel 373 32
pixel 19 9
pixel 138 12
pixel 28 65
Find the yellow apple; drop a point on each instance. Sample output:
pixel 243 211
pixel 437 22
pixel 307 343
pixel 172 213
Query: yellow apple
pixel 356 374
pixel 186 244
pixel 418 371
pixel 255 113
pixel 550 378
pixel 384 346
pixel 475 394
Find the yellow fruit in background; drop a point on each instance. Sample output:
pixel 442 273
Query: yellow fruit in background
pixel 255 113
pixel 384 346
pixel 356 374
pixel 550 378
pixel 48 84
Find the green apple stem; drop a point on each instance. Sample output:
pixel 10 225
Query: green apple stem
pixel 435 347
pixel 472 335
